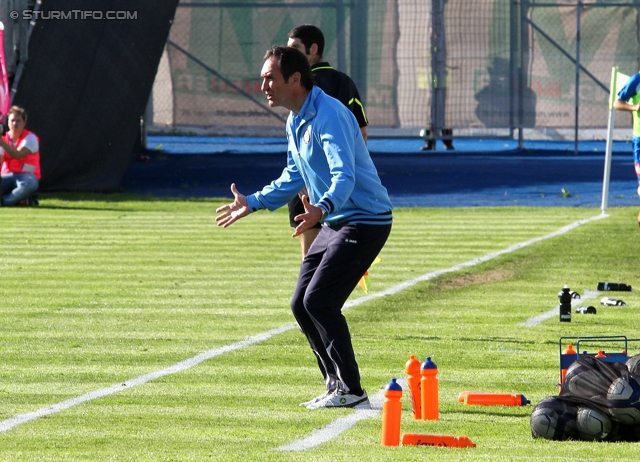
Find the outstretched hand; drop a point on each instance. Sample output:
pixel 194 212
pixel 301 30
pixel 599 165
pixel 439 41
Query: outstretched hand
pixel 309 218
pixel 234 211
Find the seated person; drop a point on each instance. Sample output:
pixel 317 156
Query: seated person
pixel 21 160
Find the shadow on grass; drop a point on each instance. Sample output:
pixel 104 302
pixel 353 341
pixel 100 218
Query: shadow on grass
pixel 67 200
pixel 502 412
pixel 80 196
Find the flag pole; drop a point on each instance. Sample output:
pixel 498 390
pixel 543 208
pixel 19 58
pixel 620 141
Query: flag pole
pixel 607 157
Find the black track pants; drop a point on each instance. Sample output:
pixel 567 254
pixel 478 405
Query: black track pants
pixel 336 261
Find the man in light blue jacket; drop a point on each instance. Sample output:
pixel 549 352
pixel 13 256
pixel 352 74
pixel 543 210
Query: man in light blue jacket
pixel 327 156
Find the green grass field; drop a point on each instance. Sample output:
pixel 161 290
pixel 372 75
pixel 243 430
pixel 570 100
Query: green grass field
pixel 101 289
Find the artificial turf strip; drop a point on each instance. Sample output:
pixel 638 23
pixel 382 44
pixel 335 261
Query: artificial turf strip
pixel 102 289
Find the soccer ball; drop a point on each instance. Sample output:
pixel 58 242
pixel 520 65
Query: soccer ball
pixel 580 380
pixel 553 419
pixel 623 391
pixel 593 425
pixel 623 401
pixel 633 364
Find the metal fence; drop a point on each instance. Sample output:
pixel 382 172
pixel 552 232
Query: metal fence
pixel 480 68
pixel 15 33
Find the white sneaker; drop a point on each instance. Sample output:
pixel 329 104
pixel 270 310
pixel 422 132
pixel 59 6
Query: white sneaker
pixel 638 190
pixel 342 399
pixel 317 398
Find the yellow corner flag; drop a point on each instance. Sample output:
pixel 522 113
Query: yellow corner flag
pixel 364 280
pixel 618 79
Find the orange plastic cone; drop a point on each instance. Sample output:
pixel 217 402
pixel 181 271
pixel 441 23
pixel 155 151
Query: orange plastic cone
pixel 447 441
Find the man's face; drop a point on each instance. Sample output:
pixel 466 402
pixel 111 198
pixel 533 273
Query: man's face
pixel 298 45
pixel 273 84
pixel 16 123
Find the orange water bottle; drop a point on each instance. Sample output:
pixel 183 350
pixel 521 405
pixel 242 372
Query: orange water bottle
pixel 496 399
pixel 569 355
pixel 429 390
pixel 412 367
pixel 391 414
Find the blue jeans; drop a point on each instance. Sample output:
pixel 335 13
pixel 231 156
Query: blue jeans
pixel 17 187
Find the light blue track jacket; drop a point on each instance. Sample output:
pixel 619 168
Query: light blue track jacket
pixel 327 154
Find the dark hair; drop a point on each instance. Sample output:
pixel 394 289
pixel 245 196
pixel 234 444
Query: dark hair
pixel 291 61
pixel 308 35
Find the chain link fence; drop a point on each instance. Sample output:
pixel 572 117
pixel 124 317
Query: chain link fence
pixel 480 68
pixel 570 50
pixel 16 29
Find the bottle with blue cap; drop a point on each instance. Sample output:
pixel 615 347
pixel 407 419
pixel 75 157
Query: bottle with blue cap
pixel 391 414
pixel 429 390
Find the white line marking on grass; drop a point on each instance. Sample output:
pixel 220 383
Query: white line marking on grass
pixel 534 321
pixel 14 421
pixel 340 425
pixel 330 431
pixel 476 261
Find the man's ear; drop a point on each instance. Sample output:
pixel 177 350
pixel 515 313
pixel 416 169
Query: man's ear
pixel 296 76
pixel 313 49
